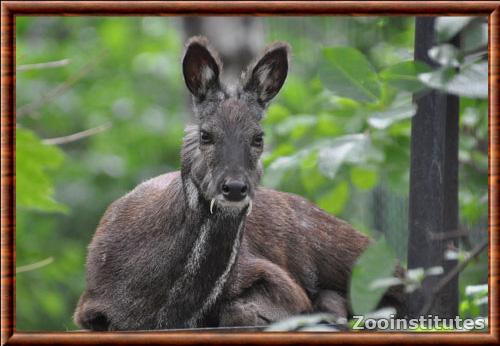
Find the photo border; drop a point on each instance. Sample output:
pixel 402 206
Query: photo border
pixel 11 9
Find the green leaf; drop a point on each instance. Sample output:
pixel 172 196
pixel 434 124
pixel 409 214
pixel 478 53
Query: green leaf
pixel 445 54
pixel 364 178
pixel 382 120
pixel 296 126
pixel 34 188
pixel 475 36
pixel 314 322
pixel 334 200
pixel 470 117
pixel 471 81
pixel 377 262
pixel 348 73
pixel 346 149
pixel 276 170
pixel 448 27
pixel 476 290
pixel 404 76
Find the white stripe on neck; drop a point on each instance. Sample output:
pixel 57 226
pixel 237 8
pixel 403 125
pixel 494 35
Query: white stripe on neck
pixel 193 262
pixel 219 284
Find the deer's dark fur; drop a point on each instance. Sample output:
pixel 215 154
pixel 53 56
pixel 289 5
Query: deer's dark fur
pixel 176 252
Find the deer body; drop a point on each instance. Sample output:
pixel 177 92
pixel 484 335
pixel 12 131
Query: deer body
pixel 155 265
pixel 206 246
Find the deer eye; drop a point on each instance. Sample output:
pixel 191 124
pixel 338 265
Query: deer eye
pixel 206 138
pixel 258 140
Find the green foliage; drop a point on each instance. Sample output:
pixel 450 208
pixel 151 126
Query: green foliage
pixel 469 82
pixel 34 188
pixel 476 299
pixel 382 120
pixel 305 323
pixel 348 73
pixel 375 264
pixel 463 72
pixel 368 111
pixel 126 73
pixel 364 178
pixel 404 75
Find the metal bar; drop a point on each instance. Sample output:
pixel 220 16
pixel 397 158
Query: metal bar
pixel 449 294
pixel 433 184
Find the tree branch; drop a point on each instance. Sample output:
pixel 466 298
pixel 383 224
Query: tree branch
pixel 33 266
pixel 77 136
pixel 60 89
pixel 43 65
pixel 451 274
pixel 481 50
pixel 459 233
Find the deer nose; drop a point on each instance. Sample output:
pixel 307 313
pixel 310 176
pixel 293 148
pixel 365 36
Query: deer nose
pixel 234 190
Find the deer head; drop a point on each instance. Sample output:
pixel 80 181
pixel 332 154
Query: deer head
pixel 221 155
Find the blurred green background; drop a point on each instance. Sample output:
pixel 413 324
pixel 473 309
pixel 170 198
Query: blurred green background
pixel 338 133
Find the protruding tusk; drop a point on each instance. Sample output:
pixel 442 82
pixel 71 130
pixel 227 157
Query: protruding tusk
pixel 249 209
pixel 212 202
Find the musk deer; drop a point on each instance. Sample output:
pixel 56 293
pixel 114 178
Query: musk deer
pixel 207 246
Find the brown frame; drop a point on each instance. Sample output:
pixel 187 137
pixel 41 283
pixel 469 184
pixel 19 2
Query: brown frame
pixel 9 10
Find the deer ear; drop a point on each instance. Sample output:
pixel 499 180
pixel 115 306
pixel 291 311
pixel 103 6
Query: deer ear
pixel 266 76
pixel 201 67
